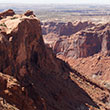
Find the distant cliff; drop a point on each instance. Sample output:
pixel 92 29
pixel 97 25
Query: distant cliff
pixel 85 39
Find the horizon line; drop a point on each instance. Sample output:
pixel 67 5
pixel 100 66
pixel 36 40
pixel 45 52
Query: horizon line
pixel 56 3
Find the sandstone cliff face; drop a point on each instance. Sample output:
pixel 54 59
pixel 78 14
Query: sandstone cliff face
pixel 56 35
pixel 64 28
pixel 40 80
pixel 84 43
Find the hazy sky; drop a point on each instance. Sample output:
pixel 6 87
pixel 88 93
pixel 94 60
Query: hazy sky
pixel 58 1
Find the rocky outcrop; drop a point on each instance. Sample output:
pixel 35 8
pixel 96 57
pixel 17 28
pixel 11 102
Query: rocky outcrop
pixel 29 13
pixel 34 78
pixel 9 12
pixel 11 90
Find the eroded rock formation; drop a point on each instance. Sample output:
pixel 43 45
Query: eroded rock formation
pixel 59 37
pixel 9 12
pixel 84 43
pixel 29 13
pixel 34 78
pixel 87 51
pixel 62 28
pixel 13 93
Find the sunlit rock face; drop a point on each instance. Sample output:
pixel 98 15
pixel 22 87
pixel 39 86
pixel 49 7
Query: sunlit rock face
pixel 85 39
pixel 61 28
pixel 32 78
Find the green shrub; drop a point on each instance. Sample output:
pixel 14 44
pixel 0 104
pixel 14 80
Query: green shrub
pixel 3 24
pixel 14 18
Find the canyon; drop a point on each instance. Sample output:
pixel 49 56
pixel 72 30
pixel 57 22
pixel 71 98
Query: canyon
pixel 36 75
pixel 87 49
